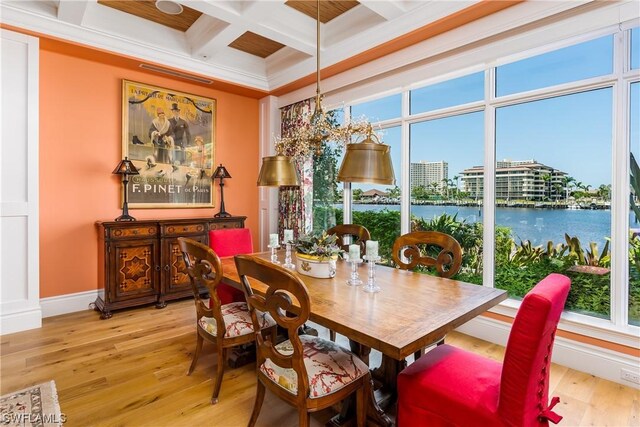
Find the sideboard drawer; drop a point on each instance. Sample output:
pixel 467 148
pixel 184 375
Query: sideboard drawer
pixel 181 229
pixel 227 224
pixel 135 231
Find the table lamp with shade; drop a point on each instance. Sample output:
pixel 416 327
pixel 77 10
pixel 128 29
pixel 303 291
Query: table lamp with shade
pixel 221 173
pixel 125 168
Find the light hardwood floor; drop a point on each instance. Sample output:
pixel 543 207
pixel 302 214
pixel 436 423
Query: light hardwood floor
pixel 131 371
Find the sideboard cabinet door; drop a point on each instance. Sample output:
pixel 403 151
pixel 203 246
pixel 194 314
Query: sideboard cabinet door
pixel 175 280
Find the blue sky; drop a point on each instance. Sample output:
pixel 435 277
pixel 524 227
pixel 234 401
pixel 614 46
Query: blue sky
pixel 572 133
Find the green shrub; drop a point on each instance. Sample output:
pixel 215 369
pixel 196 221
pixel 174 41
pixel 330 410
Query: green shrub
pixel 518 267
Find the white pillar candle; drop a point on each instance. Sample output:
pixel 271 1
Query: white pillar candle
pixel 354 252
pixel 372 248
pixel 288 236
pixel 273 239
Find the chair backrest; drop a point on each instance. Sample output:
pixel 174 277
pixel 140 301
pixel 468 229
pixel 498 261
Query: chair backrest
pixel 439 250
pixel 359 235
pixel 231 241
pixel 203 267
pixel 287 301
pixel 524 385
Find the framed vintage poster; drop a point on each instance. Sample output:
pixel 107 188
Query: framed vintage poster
pixel 170 137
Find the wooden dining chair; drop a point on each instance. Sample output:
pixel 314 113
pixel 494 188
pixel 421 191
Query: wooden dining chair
pixel 359 235
pixel 428 249
pixel 307 372
pixel 204 268
pixel 449 386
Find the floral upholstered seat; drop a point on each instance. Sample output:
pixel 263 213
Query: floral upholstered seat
pixel 329 366
pixel 236 320
pixel 309 373
pixel 205 270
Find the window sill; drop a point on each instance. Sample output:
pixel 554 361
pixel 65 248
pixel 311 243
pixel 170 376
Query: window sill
pixel 603 331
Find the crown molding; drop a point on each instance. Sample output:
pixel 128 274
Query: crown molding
pixel 51 27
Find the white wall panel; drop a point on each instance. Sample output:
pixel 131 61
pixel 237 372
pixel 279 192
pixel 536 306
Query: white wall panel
pixel 19 237
pixel 14 121
pixel 14 251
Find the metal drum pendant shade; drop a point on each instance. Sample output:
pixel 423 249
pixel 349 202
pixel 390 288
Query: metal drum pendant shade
pixel 277 171
pixel 367 161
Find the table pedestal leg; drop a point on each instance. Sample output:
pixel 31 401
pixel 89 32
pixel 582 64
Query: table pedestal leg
pixel 375 415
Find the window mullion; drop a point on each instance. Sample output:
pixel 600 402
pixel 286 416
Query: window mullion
pixel 405 168
pixel 347 195
pixel 488 200
pixel 620 186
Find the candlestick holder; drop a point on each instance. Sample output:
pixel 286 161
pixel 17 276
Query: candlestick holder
pixel 354 280
pixel 274 253
pixel 287 257
pixel 371 281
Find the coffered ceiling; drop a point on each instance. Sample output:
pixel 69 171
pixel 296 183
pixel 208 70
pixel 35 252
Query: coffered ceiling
pixel 263 44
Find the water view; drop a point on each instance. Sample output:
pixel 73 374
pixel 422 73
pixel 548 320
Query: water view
pixel 537 225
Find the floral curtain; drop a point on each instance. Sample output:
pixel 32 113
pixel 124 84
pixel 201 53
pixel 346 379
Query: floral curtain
pixel 295 203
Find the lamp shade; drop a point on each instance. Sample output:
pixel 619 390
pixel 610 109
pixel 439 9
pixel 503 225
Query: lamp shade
pixel 221 172
pixel 367 161
pixel 126 167
pixel 277 171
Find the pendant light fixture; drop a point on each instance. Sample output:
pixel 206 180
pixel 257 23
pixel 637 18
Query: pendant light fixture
pixel 367 161
pixel 320 126
pixel 278 171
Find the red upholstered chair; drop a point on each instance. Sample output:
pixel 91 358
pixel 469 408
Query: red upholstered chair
pixel 452 387
pixel 229 242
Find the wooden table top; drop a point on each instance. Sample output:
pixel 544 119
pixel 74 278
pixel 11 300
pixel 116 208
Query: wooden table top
pixel 411 311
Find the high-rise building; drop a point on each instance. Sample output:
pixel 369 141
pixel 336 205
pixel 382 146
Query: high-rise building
pixel 424 173
pixel 518 179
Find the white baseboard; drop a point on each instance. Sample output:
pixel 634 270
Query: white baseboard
pixel 601 362
pixel 20 321
pixel 70 303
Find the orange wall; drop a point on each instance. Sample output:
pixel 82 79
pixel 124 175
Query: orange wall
pixel 80 144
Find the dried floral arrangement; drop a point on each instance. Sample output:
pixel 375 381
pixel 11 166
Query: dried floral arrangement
pixel 304 141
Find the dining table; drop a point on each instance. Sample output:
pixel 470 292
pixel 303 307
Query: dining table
pixel 411 311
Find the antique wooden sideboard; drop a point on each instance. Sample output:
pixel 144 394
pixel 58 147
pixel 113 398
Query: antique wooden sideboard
pixel 139 262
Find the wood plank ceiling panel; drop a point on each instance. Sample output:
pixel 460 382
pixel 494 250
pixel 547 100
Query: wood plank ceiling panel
pixel 147 9
pixel 256 44
pixel 329 9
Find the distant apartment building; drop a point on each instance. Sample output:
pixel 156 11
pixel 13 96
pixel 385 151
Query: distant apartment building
pixel 424 173
pixel 518 179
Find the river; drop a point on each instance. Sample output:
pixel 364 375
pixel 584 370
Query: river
pixel 537 225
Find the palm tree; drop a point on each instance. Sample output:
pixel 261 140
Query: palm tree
pixel 434 187
pixel 456 178
pixel 394 193
pixel 547 189
pixel 557 188
pixel 567 182
pixel 604 192
pixel 445 187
